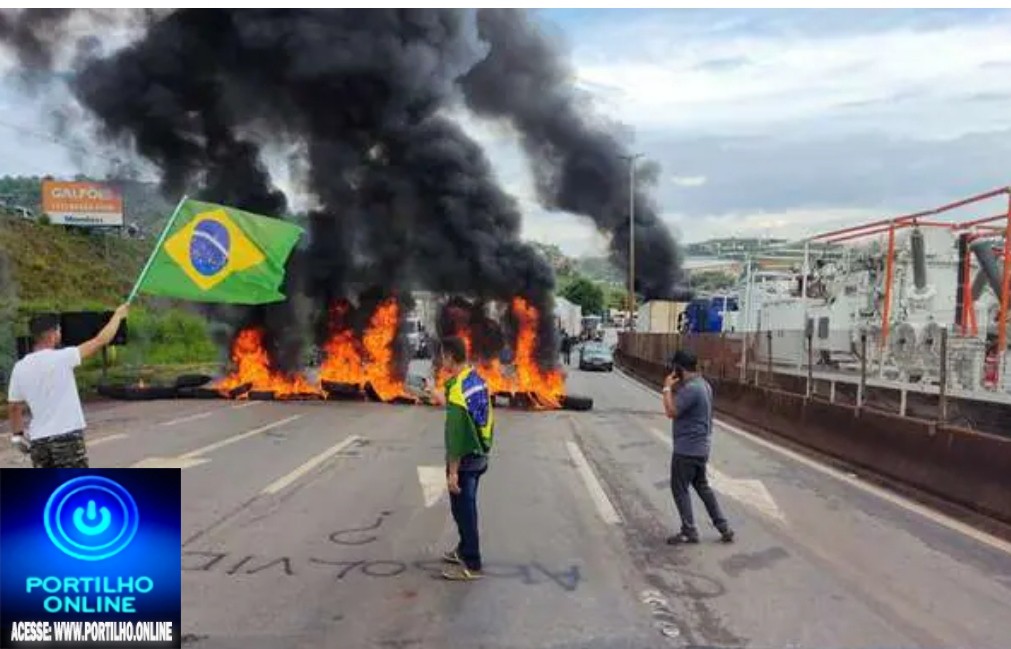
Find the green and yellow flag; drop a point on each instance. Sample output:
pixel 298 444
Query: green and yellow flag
pixel 213 253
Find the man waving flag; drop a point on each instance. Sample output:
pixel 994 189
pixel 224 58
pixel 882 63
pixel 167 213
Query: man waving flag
pixel 213 253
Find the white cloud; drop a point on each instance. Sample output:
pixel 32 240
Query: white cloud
pixel 668 80
pixel 688 181
pixel 786 224
pixel 858 118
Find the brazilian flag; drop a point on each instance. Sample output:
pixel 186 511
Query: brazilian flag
pixel 213 253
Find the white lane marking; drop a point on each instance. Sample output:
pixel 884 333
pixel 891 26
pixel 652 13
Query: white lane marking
pixel 204 450
pixel 747 491
pixel 309 465
pixel 193 458
pixel 240 406
pixel 853 481
pixel 168 463
pixel 604 507
pixel 433 483
pixel 884 494
pixel 106 438
pixel 194 417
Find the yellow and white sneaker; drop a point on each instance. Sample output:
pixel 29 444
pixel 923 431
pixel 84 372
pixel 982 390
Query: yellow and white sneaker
pixel 461 573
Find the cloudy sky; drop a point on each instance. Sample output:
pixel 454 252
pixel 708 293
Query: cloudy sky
pixel 780 123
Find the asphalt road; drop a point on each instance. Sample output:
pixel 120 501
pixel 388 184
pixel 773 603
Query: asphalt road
pixel 321 524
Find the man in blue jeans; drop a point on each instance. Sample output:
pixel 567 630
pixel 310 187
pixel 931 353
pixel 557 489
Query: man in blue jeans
pixel 688 401
pixel 468 434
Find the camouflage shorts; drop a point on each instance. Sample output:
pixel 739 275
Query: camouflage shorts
pixel 60 452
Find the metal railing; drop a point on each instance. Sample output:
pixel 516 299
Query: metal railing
pixel 945 377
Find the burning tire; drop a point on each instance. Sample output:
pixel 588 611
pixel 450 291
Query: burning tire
pixel 521 400
pixel 200 393
pixel 261 395
pixel 574 402
pixel 343 391
pixel 193 380
pixel 136 393
pixel 270 395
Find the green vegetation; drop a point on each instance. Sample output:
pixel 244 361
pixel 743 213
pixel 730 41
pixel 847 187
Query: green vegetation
pixel 51 268
pixel 616 297
pixel 8 311
pixel 586 294
pixel 57 269
pixel 712 280
pixel 166 337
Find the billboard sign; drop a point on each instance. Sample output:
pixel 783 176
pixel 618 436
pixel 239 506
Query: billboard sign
pixel 82 203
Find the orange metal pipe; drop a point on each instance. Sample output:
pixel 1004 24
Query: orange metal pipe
pixel 865 229
pixel 968 201
pixel 977 222
pixel 1005 297
pixel 910 217
pixel 881 230
pixel 889 272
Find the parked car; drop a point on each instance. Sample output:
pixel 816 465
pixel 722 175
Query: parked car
pixel 596 356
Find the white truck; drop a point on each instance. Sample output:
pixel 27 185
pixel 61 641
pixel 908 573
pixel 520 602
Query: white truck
pixel 568 316
pixel 417 337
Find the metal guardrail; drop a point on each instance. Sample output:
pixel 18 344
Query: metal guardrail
pixel 953 380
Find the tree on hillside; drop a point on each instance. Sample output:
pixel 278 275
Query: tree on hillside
pixel 616 297
pixel 560 263
pixel 8 311
pixel 586 294
pixel 599 269
pixel 710 280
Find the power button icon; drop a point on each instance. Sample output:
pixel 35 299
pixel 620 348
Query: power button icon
pixel 91 518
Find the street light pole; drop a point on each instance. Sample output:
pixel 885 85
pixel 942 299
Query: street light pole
pixel 630 159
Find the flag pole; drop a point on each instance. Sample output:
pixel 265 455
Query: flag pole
pixel 157 248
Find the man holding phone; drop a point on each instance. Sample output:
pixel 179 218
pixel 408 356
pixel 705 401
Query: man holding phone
pixel 688 402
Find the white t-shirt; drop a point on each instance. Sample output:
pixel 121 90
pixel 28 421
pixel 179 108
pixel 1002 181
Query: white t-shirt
pixel 45 381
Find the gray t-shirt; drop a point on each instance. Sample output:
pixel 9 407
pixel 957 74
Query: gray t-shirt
pixel 693 418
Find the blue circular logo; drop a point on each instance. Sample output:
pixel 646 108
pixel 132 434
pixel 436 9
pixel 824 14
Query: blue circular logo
pixel 209 247
pixel 91 518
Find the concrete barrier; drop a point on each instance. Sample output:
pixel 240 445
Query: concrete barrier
pixel 961 466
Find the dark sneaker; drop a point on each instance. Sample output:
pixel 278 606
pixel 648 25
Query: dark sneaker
pixel 683 538
pixel 727 535
pixel 452 557
pixel 461 573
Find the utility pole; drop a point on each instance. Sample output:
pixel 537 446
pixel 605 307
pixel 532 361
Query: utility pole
pixel 630 159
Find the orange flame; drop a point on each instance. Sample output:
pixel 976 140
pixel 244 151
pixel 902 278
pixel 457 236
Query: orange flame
pixel 546 388
pixel 369 361
pixel 379 342
pixel 343 363
pixel 252 366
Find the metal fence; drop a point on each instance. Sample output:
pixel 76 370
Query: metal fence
pixel 939 376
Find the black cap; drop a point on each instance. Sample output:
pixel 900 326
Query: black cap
pixel 685 360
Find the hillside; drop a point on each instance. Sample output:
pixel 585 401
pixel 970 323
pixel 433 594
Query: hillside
pixel 54 269
pixel 600 269
pixel 48 268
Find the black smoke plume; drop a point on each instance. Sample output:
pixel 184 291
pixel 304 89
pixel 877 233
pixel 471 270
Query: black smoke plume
pixel 577 160
pixel 403 198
